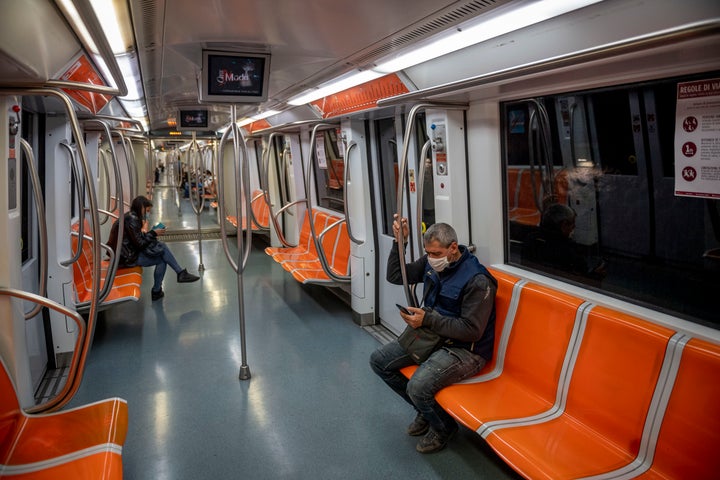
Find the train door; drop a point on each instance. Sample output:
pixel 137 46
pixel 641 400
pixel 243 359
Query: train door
pixel 443 179
pixel 386 147
pixel 17 339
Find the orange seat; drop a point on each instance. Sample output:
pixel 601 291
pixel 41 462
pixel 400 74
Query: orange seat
pixel 608 399
pixel 503 297
pixel 303 261
pixel 536 349
pixel 80 443
pixel 261 214
pixel 305 248
pixel 688 440
pixel 336 247
pixel 126 283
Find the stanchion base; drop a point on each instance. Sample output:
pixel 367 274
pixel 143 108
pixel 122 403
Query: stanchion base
pixel 201 267
pixel 244 372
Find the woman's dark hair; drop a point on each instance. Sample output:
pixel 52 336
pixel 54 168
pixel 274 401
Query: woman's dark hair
pixel 138 206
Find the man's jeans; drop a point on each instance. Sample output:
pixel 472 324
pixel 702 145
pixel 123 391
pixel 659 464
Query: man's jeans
pixel 444 367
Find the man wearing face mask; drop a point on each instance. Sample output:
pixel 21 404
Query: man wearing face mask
pixel 459 305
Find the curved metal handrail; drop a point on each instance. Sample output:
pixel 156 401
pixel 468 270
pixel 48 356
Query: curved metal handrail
pixel 130 155
pixel 75 362
pixel 346 180
pixel 42 223
pixel 323 258
pixel 402 170
pixel 115 262
pixel 308 178
pixel 421 191
pixel 265 185
pixel 104 171
pixel 89 332
pixel 242 189
pixel 80 199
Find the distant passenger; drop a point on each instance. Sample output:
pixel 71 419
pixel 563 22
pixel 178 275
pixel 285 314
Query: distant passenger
pixel 459 305
pixel 140 246
pixel 552 245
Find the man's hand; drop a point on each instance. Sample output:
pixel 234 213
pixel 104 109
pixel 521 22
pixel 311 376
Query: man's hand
pixel 416 319
pixel 396 228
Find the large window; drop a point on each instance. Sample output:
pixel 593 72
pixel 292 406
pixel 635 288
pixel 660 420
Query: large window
pixel 590 198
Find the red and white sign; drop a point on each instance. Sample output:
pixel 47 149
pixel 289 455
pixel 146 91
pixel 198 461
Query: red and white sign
pixel 697 139
pixel 82 71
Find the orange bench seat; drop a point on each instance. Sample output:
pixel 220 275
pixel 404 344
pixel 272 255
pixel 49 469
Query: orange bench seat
pixel 260 213
pixel 688 439
pixel 80 443
pixel 126 283
pixel 608 397
pixel 542 329
pixel 303 262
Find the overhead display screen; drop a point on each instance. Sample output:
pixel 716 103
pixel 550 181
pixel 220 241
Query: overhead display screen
pixel 231 77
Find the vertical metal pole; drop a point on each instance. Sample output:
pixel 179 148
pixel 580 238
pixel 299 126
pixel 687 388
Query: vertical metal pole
pixel 242 192
pixel 194 156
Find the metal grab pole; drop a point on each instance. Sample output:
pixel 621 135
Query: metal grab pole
pixel 346 181
pixel 409 295
pixel 41 302
pixel 421 191
pixel 242 192
pixel 193 156
pixel 74 380
pixel 42 223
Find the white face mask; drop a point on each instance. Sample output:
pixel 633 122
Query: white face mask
pixel 438 264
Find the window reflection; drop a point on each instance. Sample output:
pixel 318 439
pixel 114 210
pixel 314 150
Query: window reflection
pixel 590 198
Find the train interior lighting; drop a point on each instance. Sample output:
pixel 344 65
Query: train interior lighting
pixel 256 155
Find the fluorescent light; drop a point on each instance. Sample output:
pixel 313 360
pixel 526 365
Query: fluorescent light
pixel 111 19
pixel 516 16
pixel 259 116
pixel 490 26
pixel 81 29
pixel 341 83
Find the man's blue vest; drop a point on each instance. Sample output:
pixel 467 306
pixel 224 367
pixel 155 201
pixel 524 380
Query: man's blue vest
pixel 442 293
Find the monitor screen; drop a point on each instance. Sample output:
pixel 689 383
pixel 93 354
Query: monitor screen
pixel 194 119
pixel 231 77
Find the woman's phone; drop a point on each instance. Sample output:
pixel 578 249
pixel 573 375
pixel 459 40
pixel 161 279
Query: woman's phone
pixel 403 309
pixel 159 226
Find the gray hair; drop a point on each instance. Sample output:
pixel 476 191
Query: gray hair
pixel 442 233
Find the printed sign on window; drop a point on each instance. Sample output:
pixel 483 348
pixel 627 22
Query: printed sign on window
pixel 697 139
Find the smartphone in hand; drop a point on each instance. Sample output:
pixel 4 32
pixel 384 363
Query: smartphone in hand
pixel 403 309
pixel 159 226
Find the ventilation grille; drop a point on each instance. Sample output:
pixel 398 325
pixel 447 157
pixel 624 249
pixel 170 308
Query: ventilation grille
pixel 147 32
pixel 439 23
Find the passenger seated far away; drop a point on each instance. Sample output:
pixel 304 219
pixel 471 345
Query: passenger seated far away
pixel 140 246
pixel 459 305
pixel 552 245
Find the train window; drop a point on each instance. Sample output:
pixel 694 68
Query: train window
pixel 428 199
pixel 388 161
pixel 330 170
pixel 591 199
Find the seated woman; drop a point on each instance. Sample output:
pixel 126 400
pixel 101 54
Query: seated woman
pixel 140 247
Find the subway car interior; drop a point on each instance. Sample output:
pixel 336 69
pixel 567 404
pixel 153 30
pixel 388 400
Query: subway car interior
pixel 574 147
